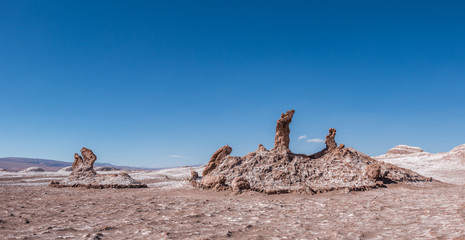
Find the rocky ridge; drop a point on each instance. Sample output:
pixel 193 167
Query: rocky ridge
pixel 84 175
pixel 280 171
pixel 447 166
pixel 404 149
pixel 33 169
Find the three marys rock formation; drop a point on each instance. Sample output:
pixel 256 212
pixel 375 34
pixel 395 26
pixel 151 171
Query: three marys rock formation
pixel 279 170
pixel 84 175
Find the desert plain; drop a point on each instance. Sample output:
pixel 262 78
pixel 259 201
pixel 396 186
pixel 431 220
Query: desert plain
pixel 170 208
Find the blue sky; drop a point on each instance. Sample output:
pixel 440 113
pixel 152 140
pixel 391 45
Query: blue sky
pixel 166 83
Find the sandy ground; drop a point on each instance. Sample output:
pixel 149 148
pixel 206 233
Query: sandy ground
pixel 171 209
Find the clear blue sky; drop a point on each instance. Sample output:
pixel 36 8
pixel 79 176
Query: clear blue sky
pixel 141 81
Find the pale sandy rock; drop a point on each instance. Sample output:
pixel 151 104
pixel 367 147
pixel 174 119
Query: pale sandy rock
pixel 446 166
pixel 404 149
pixel 106 169
pixel 33 169
pixel 66 169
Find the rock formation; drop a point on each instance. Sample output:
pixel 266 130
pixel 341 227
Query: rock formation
pixel 330 140
pixel 281 171
pixel 240 183
pixel 217 181
pixel 66 169
pixel 194 175
pixel 217 158
pixel 106 169
pixel 447 167
pixel 404 150
pixel 84 175
pixel 281 139
pixel 33 169
pixel 84 163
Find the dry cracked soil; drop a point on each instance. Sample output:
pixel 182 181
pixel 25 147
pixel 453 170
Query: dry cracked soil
pixel 401 211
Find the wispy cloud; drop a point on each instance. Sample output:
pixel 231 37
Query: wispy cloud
pixel 176 156
pixel 315 140
pixel 302 137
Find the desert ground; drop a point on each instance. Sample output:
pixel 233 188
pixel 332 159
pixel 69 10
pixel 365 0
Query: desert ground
pixel 172 209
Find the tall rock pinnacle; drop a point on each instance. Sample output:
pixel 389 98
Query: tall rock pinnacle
pixel 330 140
pixel 281 140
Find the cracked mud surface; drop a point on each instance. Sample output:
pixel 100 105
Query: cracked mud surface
pixel 420 211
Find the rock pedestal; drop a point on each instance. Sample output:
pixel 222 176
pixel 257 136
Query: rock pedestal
pixel 84 163
pixel 281 139
pixel 84 175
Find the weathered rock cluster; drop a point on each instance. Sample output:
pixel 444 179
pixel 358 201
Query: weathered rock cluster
pixel 279 170
pixel 84 175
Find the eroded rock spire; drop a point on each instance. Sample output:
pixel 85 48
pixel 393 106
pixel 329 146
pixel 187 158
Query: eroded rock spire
pixel 84 163
pixel 330 140
pixel 281 139
pixel 216 159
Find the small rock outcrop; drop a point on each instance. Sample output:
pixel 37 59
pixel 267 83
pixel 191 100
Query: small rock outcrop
pixel 217 181
pixel 373 171
pixel 194 175
pixel 404 150
pixel 240 183
pixel 66 169
pixel 281 139
pixel 84 175
pixel 33 169
pixel 216 159
pixel 106 169
pixel 280 171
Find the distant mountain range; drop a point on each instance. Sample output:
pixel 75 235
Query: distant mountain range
pixel 19 164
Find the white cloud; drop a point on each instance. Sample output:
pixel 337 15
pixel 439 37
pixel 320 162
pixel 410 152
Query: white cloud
pixel 315 140
pixel 176 156
pixel 302 137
